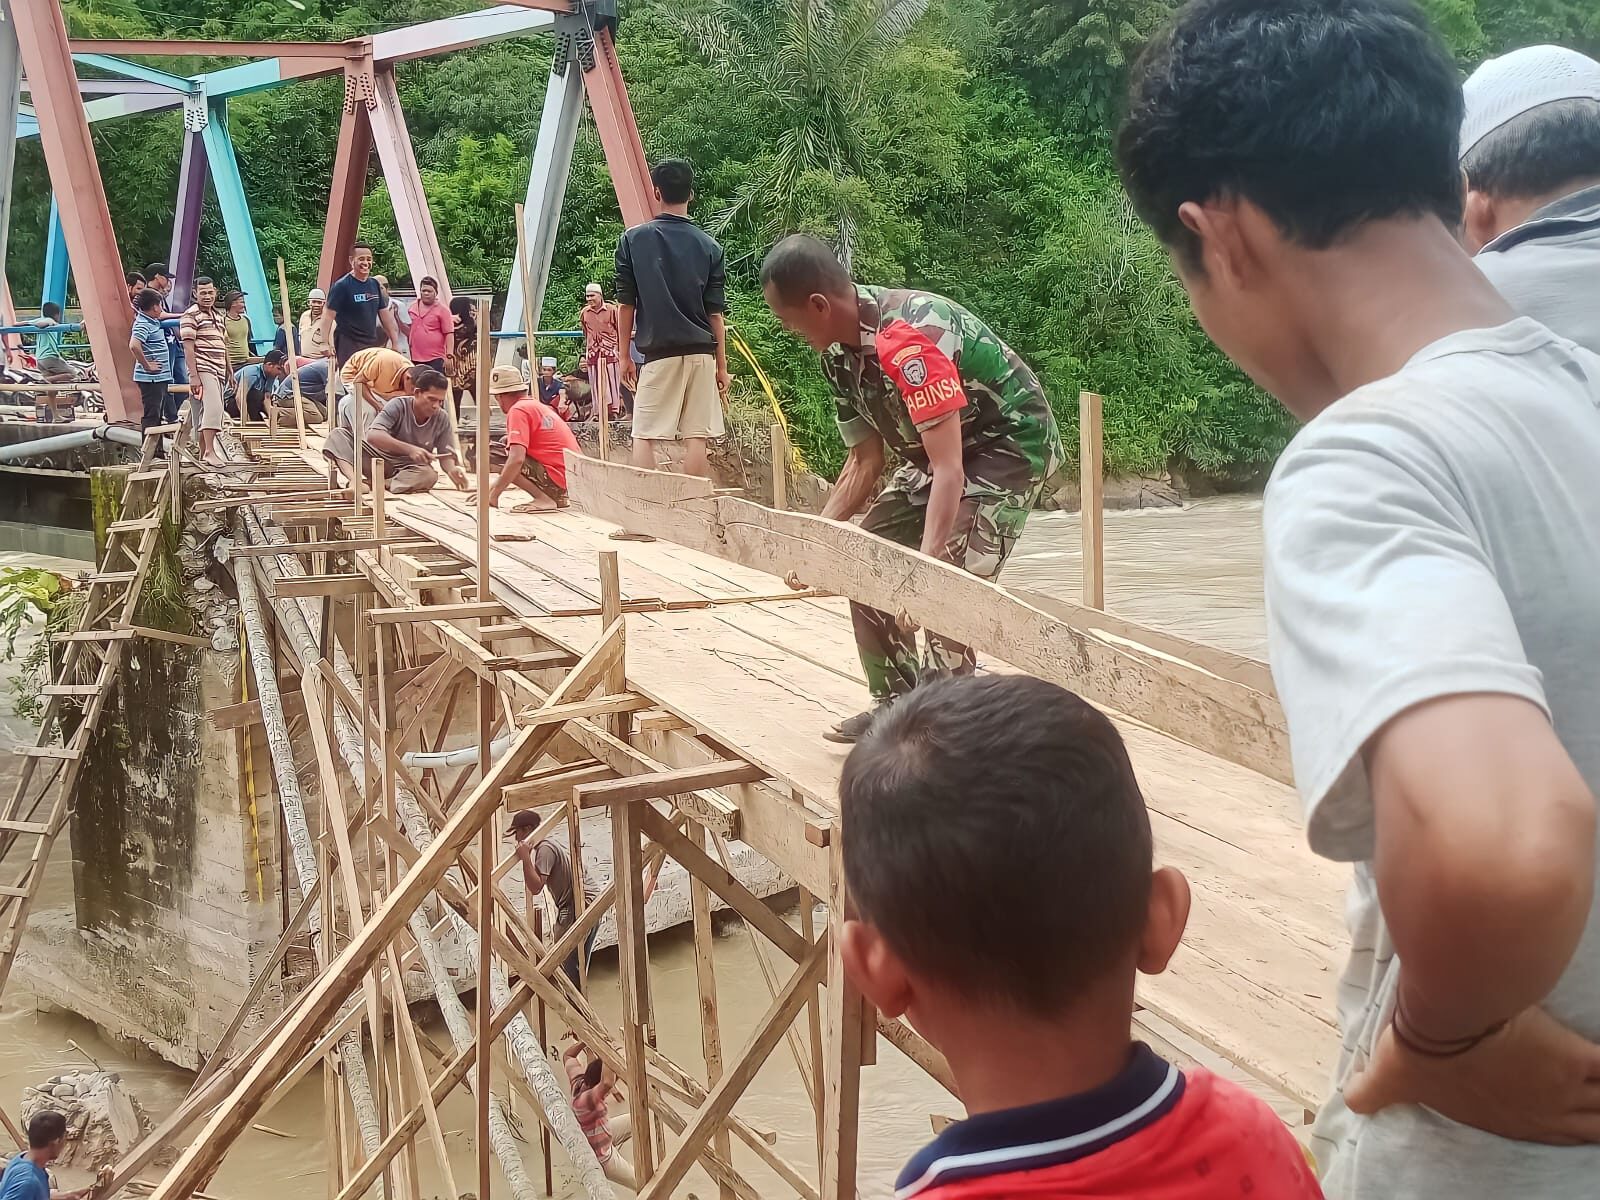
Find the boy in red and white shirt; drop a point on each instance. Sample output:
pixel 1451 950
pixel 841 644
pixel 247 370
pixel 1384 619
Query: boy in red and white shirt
pixel 999 854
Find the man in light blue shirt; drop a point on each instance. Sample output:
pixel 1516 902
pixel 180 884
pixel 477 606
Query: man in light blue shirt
pixel 25 1177
pixel 152 354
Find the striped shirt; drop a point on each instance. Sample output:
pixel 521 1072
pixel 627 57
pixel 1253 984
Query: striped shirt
pixel 153 339
pixel 205 328
pixel 589 1106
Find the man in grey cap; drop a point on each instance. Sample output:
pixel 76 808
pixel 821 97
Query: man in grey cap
pixel 1530 149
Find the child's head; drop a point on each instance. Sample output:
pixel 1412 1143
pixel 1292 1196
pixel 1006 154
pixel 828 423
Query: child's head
pixel 998 851
pixel 1259 135
pixel 51 310
pixel 148 302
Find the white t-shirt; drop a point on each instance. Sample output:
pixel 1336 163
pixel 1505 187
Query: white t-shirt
pixel 1432 534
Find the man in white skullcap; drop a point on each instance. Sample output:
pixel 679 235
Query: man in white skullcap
pixel 1530 148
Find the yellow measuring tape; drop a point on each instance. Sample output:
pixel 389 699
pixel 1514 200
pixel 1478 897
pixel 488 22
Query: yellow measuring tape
pixel 743 347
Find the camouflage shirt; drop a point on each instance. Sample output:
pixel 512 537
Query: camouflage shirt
pixel 923 358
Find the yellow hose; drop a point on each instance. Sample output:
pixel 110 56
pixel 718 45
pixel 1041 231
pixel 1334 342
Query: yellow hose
pixel 743 347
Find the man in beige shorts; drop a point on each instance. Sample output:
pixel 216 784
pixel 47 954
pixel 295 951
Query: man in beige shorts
pixel 202 332
pixel 671 288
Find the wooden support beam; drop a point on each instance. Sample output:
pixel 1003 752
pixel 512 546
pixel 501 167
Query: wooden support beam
pixel 706 986
pixel 323 999
pixel 466 610
pixel 721 1099
pixel 1212 714
pixel 338 586
pixel 720 880
pixel 659 785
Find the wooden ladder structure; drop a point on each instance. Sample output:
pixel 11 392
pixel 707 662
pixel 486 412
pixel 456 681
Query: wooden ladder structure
pixel 96 645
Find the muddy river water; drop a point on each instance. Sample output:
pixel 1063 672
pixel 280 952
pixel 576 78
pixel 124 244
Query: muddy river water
pixel 1195 570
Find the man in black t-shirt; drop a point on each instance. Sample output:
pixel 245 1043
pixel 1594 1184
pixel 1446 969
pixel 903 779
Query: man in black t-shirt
pixel 359 303
pixel 671 285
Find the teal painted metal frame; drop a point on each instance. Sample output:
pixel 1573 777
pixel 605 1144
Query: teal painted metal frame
pixel 229 186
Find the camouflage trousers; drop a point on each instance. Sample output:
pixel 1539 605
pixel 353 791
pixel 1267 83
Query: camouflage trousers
pixel 986 528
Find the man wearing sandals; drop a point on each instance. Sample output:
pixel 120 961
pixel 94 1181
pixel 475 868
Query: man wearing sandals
pixel 533 455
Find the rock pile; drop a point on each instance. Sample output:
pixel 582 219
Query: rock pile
pixel 104 1119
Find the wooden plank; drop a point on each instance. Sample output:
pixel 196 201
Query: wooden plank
pixel 324 997
pixel 1210 713
pixel 163 635
pixel 466 610
pixel 1091 487
pixel 556 789
pixel 338 586
pixel 841 1115
pixel 661 784
pixel 720 1100
pixel 325 546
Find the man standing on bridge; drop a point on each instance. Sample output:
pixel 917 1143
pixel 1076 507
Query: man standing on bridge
pixel 921 375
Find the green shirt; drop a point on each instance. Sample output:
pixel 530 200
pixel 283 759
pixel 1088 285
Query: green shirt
pixel 924 359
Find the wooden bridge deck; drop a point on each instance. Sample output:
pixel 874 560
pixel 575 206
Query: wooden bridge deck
pixel 764 677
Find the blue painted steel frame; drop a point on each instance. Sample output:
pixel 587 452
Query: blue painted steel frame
pixel 241 230
pixel 55 260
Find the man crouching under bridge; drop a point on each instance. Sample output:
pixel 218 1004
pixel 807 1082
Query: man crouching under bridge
pixel 918 374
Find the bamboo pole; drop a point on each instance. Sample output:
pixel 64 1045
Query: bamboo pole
pixel 303 643
pixel 294 358
pixel 293 807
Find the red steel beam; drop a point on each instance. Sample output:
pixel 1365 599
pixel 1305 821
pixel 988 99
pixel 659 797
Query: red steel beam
pixel 85 217
pixel 350 162
pixel 619 134
pixel 182 48
pixel 399 162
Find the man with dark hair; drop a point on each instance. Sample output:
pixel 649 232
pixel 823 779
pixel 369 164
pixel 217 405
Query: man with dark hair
pixel 136 284
pixel 25 1177
pixel 918 374
pixel 204 332
pixel 152 366
pixel 47 348
pixel 1530 148
pixel 430 326
pixel 358 302
pixel 1432 558
pixel 999 855
pixel 671 289
pixel 254 383
pixel 410 433
pixel 159 278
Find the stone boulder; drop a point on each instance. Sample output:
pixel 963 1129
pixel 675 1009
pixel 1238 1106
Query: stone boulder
pixel 104 1119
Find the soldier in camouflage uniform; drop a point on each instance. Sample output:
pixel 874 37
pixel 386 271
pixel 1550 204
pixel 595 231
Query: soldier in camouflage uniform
pixel 921 376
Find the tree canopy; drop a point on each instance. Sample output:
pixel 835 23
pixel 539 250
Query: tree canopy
pixel 958 145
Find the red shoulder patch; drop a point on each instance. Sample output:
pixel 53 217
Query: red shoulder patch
pixel 929 382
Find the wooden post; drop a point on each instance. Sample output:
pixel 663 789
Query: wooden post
pixel 358 430
pixel 706 984
pixel 1091 485
pixel 544 1034
pixel 842 1099
pixel 602 403
pixel 380 487
pixel 621 725
pixel 486 836
pixel 294 358
pixel 635 965
pixel 780 466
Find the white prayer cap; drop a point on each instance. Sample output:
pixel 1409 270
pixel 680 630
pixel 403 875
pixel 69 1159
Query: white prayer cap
pixel 594 289
pixel 1504 88
pixel 547 362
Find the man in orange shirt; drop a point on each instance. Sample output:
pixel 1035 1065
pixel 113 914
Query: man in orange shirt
pixel 533 456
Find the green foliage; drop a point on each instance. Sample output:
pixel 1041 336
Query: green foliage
pixel 28 594
pixel 957 145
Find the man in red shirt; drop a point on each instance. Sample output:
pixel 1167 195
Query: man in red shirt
pixel 536 441
pixel 431 326
pixel 1009 931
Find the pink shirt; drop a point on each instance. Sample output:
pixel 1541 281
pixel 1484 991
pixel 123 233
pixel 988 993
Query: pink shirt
pixel 430 330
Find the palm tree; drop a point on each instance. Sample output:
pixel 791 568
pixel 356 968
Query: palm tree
pixel 816 60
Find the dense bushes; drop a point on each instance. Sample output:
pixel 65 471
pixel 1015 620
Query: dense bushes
pixel 975 165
